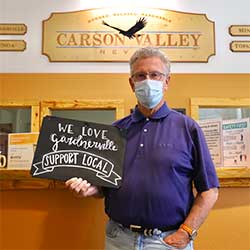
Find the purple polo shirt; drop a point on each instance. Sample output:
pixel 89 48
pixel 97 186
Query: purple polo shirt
pixel 164 155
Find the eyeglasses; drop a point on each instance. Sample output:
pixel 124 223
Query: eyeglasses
pixel 153 75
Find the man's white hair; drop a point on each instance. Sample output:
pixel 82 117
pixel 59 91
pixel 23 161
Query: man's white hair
pixel 149 52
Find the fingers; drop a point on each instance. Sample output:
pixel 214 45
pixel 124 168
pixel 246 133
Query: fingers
pixel 177 239
pixel 92 190
pixel 80 187
pixel 74 184
pixel 68 182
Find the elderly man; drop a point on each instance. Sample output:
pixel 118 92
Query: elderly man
pixel 165 155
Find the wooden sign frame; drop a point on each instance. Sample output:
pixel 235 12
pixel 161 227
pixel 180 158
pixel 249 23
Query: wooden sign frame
pixel 12 45
pixel 232 31
pixel 243 43
pixel 17 28
pixel 83 36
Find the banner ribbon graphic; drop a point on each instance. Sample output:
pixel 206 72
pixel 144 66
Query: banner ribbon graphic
pixel 78 159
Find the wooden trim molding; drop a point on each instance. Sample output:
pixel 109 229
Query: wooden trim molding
pixel 47 106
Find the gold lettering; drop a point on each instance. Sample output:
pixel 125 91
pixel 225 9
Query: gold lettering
pixel 158 39
pixel 97 40
pixel 139 39
pixel 170 41
pixel 242 46
pixel 60 37
pixel 184 40
pixel 118 38
pixel 72 40
pixel 147 41
pixel 196 38
pixel 85 38
pixel 108 39
pixel 244 30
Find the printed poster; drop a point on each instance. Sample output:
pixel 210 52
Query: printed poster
pixel 212 130
pixel 21 148
pixel 236 136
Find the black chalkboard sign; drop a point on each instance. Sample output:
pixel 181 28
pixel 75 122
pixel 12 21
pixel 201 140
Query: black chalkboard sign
pixel 68 148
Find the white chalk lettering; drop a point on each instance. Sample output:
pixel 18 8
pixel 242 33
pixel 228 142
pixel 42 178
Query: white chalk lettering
pixel 66 129
pixel 60 159
pixel 94 162
pixel 81 143
pixel 104 168
pixel 94 132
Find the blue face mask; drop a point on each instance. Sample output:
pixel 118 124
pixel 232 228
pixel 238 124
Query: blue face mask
pixel 149 92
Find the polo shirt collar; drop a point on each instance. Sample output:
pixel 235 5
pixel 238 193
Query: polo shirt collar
pixel 162 112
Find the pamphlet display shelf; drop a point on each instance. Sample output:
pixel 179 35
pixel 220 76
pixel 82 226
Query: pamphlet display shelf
pixel 20 179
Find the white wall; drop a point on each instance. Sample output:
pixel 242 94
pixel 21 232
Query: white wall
pixel 32 12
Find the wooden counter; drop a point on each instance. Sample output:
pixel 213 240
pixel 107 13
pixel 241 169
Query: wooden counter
pixel 17 179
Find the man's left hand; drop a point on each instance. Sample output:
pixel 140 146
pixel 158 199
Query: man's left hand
pixel 179 239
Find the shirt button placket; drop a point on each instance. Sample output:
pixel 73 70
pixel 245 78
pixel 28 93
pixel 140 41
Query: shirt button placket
pixel 142 144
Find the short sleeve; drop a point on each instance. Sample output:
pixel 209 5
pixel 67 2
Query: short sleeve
pixel 205 176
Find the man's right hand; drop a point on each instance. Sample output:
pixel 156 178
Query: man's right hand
pixel 81 188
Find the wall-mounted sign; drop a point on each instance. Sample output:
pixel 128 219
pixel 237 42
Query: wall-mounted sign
pixel 239 30
pixel 68 148
pixel 21 148
pixel 236 140
pixel 114 34
pixel 212 130
pixel 12 29
pixel 12 45
pixel 240 46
